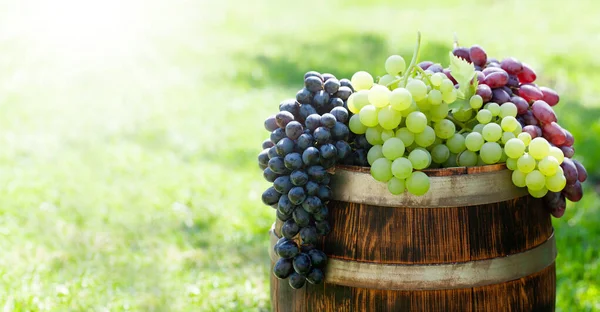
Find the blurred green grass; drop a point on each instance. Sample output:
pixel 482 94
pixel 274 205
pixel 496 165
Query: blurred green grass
pixel 127 172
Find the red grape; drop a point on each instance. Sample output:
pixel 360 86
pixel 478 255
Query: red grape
pixel 543 112
pixel 462 53
pixel 527 75
pixel 449 75
pixel 569 170
pixel 534 131
pixel 530 119
pixel 500 96
pixel 550 96
pixel 530 92
pixel 511 65
pixel 480 76
pixel 436 68
pixel 570 140
pixel 568 151
pixel 489 70
pixel 496 79
pixel 477 55
pixel 513 81
pixel 485 92
pixel 581 172
pixel 573 192
pixel 554 133
pixel 555 203
pixel 522 105
pixel 425 64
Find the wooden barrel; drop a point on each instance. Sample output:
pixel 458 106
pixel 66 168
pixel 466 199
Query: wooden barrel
pixel 474 242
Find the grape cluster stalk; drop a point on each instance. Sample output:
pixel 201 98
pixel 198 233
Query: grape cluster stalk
pixel 309 135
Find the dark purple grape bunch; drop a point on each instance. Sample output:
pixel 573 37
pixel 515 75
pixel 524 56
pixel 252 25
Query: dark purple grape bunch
pixel 510 80
pixel 309 135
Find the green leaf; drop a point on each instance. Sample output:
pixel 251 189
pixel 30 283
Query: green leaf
pixel 463 72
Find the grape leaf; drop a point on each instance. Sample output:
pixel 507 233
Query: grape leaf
pixel 463 72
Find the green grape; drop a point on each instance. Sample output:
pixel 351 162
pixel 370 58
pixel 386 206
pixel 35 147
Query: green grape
pixel 518 129
pixel 548 165
pixel 474 141
pixel 526 138
pixel 424 105
pixel 492 132
pixel 393 148
pixel 535 180
pixel 450 97
pixel 373 135
pixel 437 141
pixel 420 158
pixel 511 163
pixel 463 115
pixel 509 123
pixel 439 112
pixel 406 136
pixel 368 116
pixel 508 109
pixel 539 148
pixel 402 168
pixel 400 99
pixel 491 153
pixel 386 134
pixel 358 100
pixel 476 101
pixel 445 129
pixel 426 137
pixel 379 96
pixel 514 148
pixel 416 122
pixel 478 128
pixel 538 193
pixel 417 88
pixel 556 182
pixel 396 186
pixel 456 143
pixel 467 159
pixel 507 136
pixel 484 116
pixel 437 79
pixel 518 178
pixel 503 158
pixel 374 153
pixel 526 163
pixel 356 126
pixel 440 153
pixel 412 108
pixel 387 79
pixel 556 153
pixel 494 108
pixel 362 80
pixel 395 64
pixel 434 97
pixel 381 170
pixel 389 118
pixel 446 86
pixel 451 162
pixel 418 183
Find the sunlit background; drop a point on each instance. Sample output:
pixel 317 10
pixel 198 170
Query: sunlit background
pixel 129 132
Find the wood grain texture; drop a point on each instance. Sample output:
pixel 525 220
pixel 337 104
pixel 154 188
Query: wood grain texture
pixel 532 293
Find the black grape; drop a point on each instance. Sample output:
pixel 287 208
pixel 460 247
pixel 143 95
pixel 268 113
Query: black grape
pixel 283 184
pixel 310 156
pixel 324 193
pixel 340 114
pixel 285 206
pixel 301 217
pixel 340 132
pixel 317 258
pixel 304 141
pixel 312 204
pixel 328 120
pixel 289 229
pixel 269 175
pixel 315 276
pixel 322 135
pixel 312 188
pixel 296 280
pixel 277 165
pixel 293 161
pixel 287 249
pixel 328 151
pixel 299 177
pixel 304 97
pixel 293 130
pixel 343 93
pixel 277 135
pixel 332 85
pixel 270 196
pixel 313 121
pixel 313 84
pixel 296 195
pixel 323 227
pixel 321 214
pixel 283 268
pixel 309 235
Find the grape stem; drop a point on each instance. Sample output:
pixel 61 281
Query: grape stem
pixel 419 69
pixel 414 60
pixel 456 122
pixel 411 67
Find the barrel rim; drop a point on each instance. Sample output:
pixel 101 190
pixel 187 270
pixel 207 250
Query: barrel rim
pixel 464 187
pixel 446 276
